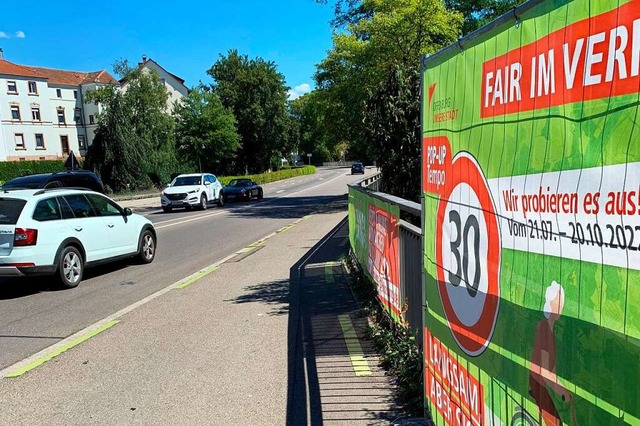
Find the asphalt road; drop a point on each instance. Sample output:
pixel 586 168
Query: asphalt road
pixel 34 315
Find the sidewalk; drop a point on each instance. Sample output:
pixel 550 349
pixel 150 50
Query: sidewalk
pixel 270 336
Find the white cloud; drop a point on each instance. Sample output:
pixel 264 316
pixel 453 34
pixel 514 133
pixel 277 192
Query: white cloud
pixel 298 91
pixel 3 35
pixel 20 34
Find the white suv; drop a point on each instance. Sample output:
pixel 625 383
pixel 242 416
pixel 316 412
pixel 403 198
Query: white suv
pixel 192 190
pixel 61 231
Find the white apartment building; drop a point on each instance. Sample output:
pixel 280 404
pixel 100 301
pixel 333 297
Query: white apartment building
pixel 42 111
pixel 172 83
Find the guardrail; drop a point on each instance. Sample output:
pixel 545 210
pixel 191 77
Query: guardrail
pixel 391 252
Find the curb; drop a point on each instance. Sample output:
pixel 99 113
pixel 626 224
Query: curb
pixel 134 197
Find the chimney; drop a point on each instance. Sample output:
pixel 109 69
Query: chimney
pixel 1 54
pixel 144 59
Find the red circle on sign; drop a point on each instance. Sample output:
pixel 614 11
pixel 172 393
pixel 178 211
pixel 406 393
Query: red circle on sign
pixel 473 339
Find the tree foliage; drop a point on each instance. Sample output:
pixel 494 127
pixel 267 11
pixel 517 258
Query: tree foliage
pixel 392 122
pixel 255 91
pixel 135 129
pixel 380 38
pixel 308 112
pixel 480 12
pixel 112 153
pixel 206 131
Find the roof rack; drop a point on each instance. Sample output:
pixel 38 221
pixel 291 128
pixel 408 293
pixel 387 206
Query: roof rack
pixel 61 188
pixel 16 188
pixel 72 171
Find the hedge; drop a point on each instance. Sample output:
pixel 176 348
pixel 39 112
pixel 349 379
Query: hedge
pixel 12 169
pixel 263 178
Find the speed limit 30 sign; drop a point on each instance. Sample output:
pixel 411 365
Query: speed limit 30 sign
pixel 467 249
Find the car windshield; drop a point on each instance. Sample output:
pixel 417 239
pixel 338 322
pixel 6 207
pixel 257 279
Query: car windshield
pixel 10 209
pixel 187 180
pixel 26 182
pixel 240 182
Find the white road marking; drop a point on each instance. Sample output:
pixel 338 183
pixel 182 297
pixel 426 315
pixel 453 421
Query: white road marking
pixel 190 219
pixel 278 192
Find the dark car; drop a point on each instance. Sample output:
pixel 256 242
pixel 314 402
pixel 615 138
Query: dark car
pixel 68 179
pixel 242 189
pixel 357 168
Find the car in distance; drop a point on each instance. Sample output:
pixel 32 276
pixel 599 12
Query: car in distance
pixel 67 179
pixel 357 168
pixel 242 189
pixel 195 190
pixel 62 231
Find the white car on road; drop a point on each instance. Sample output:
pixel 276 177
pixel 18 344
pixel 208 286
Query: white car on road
pixel 61 231
pixel 192 190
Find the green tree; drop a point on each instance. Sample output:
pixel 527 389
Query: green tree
pixel 142 105
pixel 256 93
pixel 112 153
pixel 480 12
pixel 308 112
pixel 392 122
pixel 206 131
pixel 379 38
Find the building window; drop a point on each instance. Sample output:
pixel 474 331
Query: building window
pixel 18 138
pixel 81 142
pixel 59 93
pixel 15 112
pixel 33 88
pixel 75 94
pixel 92 120
pixel 64 143
pixel 35 114
pixel 61 119
pixel 39 141
pixel 77 116
pixel 12 88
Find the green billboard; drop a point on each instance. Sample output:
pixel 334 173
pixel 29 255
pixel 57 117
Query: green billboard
pixel 531 181
pixel 373 233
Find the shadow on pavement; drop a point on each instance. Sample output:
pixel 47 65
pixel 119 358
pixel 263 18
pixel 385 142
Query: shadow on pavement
pixel 15 288
pixel 322 383
pixel 275 293
pixel 287 207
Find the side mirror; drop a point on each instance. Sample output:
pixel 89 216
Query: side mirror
pixel 167 185
pixel 207 183
pixel 127 211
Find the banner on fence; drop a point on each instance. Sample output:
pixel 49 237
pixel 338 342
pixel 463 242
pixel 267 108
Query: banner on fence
pixel 373 233
pixel 531 179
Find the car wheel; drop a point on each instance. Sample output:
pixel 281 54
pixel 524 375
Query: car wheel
pixel 147 249
pixel 203 202
pixel 221 200
pixel 70 267
pixel 167 209
pixel 260 194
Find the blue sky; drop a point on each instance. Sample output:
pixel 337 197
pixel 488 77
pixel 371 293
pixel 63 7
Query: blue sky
pixel 186 38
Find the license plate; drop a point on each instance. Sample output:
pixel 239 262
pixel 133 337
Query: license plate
pixel 176 203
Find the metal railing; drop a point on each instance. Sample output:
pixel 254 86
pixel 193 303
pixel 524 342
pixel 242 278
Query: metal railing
pixel 410 253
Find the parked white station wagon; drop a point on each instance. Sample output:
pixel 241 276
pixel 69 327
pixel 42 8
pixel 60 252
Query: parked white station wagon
pixel 61 231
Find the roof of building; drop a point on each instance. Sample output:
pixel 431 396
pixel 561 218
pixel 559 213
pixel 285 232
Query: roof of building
pixel 9 68
pixel 145 60
pixel 61 77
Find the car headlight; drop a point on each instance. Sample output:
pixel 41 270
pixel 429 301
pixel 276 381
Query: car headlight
pixel 192 192
pixel 164 194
